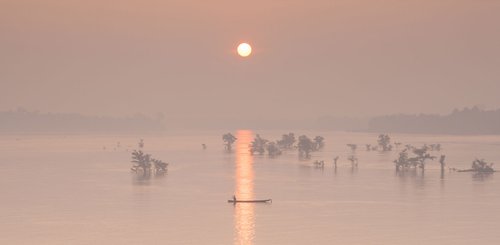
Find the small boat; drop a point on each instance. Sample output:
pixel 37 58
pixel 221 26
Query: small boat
pixel 250 201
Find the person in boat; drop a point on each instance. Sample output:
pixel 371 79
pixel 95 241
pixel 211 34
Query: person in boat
pixel 234 198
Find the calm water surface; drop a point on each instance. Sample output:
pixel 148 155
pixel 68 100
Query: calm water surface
pixel 77 189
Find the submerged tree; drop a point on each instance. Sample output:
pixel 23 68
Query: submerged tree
pixel 229 139
pixel 441 161
pixel 305 146
pixel 287 141
pixel 144 162
pixel 353 147
pixel 422 156
pixel 160 166
pixel 384 141
pixel 258 145
pixel 273 149
pixel 141 161
pixel 318 143
pixel 354 161
pixel 480 166
pixel 404 161
pixel 319 164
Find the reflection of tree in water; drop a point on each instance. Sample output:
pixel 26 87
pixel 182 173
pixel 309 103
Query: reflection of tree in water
pixel 145 180
pixel 354 161
pixel 481 176
pixel 410 173
pixel 319 164
pixel 413 176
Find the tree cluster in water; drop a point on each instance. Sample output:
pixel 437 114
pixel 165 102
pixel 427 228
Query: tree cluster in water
pixel 383 144
pixel 384 141
pixel 146 164
pixel 414 158
pixel 306 145
pixel 480 166
pixel 410 157
pixel 259 145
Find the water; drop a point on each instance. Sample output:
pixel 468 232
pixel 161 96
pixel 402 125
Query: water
pixel 68 189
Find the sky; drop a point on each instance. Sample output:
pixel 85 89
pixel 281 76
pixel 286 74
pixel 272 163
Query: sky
pixel 310 58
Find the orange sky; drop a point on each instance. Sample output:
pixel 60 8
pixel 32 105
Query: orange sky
pixel 313 58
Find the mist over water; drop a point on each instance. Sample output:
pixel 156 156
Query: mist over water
pixel 310 58
pixel 83 81
pixel 69 189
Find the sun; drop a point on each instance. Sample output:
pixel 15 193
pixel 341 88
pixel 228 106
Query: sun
pixel 244 49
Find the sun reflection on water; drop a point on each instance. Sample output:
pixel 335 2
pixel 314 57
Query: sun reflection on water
pixel 244 213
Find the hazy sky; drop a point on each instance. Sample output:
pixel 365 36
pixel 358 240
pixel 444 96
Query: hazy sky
pixel 311 58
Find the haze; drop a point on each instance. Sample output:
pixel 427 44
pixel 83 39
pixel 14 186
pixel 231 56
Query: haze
pixel 310 58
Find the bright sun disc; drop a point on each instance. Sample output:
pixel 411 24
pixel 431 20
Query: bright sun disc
pixel 244 49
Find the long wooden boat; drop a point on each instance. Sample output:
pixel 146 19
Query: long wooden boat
pixel 247 201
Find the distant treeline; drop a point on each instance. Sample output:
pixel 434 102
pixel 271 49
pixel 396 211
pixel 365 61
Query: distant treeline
pixel 465 121
pixel 24 121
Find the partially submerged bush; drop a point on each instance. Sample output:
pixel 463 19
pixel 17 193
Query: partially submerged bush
pixel 145 163
pixel 405 161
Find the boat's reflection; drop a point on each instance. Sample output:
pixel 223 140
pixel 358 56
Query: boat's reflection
pixel 244 219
